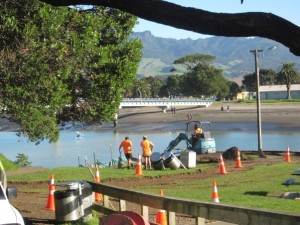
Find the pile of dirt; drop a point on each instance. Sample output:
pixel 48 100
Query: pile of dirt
pixel 232 153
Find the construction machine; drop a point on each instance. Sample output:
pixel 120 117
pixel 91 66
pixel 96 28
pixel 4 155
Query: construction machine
pixel 201 143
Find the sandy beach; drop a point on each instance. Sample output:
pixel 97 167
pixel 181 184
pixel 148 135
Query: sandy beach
pixel 273 116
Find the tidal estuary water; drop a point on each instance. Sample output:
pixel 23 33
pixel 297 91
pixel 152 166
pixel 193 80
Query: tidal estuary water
pixel 104 144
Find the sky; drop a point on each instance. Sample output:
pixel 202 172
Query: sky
pixel 288 9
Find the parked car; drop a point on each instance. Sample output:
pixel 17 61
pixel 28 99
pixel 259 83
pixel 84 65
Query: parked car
pixel 8 213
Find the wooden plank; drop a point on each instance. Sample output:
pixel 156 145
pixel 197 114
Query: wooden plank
pixel 103 210
pixel 171 216
pixel 122 205
pixel 207 210
pixel 106 201
pixel 200 221
pixel 145 212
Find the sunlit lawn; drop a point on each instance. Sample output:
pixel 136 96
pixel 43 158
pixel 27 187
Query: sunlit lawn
pixel 257 188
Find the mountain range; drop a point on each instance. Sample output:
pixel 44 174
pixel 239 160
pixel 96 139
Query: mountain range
pixel 232 54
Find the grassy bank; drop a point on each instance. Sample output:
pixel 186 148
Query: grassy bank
pixel 260 187
pixel 281 101
pixel 7 164
pixel 82 173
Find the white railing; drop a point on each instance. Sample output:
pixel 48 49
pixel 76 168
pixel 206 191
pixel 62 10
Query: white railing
pixel 165 102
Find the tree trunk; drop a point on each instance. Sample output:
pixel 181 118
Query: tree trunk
pixel 265 25
pixel 288 88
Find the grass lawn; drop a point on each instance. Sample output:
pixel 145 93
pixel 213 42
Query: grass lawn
pixel 259 187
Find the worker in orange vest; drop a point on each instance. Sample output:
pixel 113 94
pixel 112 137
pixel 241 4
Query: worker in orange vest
pixel 127 147
pixel 198 133
pixel 147 147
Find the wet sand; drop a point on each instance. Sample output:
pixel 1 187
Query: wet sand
pixel 273 116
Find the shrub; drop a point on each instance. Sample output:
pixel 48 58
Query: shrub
pixel 22 160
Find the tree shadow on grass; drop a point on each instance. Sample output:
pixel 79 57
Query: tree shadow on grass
pixel 31 221
pixel 259 193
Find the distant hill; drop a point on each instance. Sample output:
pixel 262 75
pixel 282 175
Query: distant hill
pixel 232 54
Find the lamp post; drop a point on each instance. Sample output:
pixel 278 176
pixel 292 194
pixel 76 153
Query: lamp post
pixel 258 113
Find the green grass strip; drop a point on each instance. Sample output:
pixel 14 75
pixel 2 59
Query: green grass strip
pixel 260 187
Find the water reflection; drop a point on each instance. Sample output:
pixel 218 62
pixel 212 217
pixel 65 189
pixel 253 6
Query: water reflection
pixel 100 144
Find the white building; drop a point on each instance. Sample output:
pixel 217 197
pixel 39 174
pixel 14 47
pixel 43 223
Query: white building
pixel 278 92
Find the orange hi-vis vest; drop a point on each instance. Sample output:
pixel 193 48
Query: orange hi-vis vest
pixel 127 146
pixel 146 147
pixel 198 130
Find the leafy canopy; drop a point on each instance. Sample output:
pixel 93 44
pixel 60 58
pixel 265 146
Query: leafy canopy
pixel 288 75
pixel 63 64
pixel 202 78
pixel 266 77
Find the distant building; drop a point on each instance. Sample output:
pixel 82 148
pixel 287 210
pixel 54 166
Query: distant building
pixel 271 92
pixel 274 92
pixel 245 95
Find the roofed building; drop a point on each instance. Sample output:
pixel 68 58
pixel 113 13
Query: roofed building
pixel 278 92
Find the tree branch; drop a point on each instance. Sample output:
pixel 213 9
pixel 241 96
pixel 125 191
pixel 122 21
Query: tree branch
pixel 260 24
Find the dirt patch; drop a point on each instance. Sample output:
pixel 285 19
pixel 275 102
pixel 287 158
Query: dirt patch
pixel 32 203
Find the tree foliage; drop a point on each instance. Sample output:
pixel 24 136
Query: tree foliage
pixel 22 160
pixel 266 77
pixel 63 64
pixel 172 86
pixel 155 84
pixel 234 88
pixel 247 24
pixel 202 78
pixel 288 76
pixel 191 62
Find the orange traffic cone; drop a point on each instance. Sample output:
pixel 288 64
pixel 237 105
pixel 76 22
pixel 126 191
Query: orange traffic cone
pixel 238 163
pixel 161 217
pixel 138 170
pixel 50 202
pixel 161 192
pixel 287 155
pixel 98 196
pixel 222 166
pixel 214 195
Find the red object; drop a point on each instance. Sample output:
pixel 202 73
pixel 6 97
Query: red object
pixel 50 202
pixel 138 170
pixel 116 219
pixel 222 166
pixel 238 163
pixel 214 195
pixel 137 218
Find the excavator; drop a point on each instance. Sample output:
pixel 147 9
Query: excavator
pixel 198 138
pixel 201 144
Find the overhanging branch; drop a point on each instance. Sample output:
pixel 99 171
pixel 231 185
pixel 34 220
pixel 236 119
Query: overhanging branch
pixel 265 25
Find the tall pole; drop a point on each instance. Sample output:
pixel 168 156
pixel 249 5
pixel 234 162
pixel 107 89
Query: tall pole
pixel 258 114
